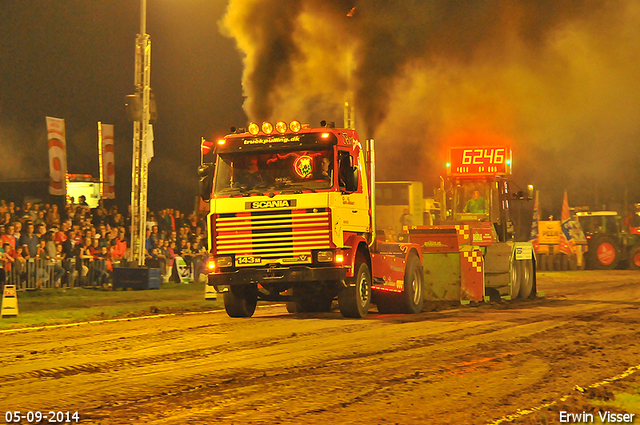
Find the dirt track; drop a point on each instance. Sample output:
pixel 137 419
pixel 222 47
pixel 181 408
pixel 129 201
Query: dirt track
pixel 470 365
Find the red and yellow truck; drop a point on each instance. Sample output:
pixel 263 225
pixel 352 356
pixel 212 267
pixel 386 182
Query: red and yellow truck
pixel 292 219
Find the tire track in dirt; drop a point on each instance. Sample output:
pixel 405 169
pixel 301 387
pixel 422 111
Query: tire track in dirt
pixel 325 369
pixel 342 365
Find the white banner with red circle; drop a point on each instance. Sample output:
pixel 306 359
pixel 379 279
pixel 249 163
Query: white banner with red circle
pixel 57 156
pixel 108 176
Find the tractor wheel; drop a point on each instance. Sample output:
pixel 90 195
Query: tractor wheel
pixel 241 300
pixel 514 278
pixel 605 254
pixel 354 300
pixel 634 258
pixel 525 274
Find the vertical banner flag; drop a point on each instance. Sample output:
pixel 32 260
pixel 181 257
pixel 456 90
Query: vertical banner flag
pixel 108 168
pixel 206 146
pixel 534 224
pixel 566 239
pixel 57 156
pixel 150 151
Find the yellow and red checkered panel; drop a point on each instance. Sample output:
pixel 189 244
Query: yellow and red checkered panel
pixel 472 275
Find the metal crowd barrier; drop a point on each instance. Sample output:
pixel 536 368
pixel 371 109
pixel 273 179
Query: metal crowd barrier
pixel 39 273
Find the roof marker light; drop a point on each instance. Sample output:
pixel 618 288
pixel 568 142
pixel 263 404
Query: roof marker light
pixel 267 127
pixel 254 128
pixel 281 127
pixel 295 126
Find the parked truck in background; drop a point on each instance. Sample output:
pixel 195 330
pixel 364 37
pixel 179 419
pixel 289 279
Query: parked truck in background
pixel 393 200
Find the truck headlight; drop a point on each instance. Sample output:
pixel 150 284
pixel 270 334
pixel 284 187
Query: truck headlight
pixel 325 256
pixel 224 261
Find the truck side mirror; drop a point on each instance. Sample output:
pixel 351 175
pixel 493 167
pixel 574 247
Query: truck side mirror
pixel 205 172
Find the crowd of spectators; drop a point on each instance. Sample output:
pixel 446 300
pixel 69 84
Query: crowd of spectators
pixel 76 240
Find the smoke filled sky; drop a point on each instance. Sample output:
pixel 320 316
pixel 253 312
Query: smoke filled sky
pixel 558 79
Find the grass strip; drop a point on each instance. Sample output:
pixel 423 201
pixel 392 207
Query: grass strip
pixel 68 305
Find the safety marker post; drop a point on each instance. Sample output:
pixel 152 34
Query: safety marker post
pixel 210 292
pixel 9 302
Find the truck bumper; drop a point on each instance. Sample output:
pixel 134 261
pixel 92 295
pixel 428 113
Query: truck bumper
pixel 265 275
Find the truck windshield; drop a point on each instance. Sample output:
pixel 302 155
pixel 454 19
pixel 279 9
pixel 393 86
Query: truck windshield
pixel 260 171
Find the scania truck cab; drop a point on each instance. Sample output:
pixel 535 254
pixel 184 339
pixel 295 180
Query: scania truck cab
pixel 291 219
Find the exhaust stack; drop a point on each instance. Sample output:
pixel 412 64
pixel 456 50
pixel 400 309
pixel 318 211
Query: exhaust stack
pixel 371 165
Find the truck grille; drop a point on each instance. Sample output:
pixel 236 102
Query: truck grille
pixel 273 236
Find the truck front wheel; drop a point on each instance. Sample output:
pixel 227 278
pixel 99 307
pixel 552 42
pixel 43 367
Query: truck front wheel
pixel 354 300
pixel 241 300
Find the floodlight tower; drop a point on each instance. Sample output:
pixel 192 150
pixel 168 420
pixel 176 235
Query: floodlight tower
pixel 140 164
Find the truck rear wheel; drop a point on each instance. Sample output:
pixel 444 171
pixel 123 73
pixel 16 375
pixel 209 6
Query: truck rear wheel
pixel 634 258
pixel 413 293
pixel 354 300
pixel 241 300
pixel 605 254
pixel 411 300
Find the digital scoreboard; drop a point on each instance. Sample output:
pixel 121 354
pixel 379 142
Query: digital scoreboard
pixel 479 161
